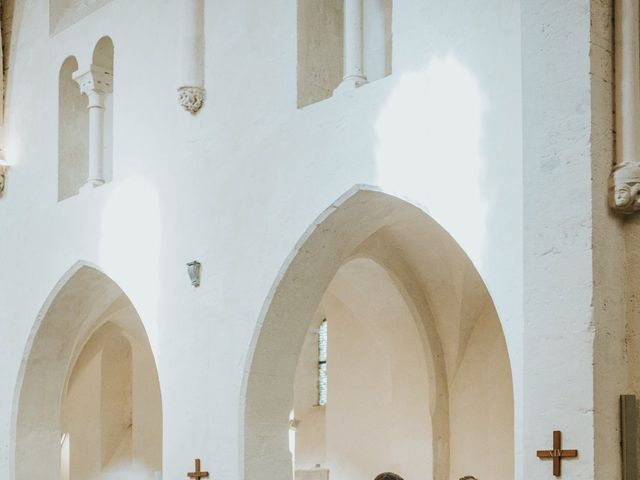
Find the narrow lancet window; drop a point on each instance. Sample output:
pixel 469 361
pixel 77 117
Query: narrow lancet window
pixel 322 363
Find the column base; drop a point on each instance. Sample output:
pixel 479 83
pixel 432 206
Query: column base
pixel 349 84
pixel 91 184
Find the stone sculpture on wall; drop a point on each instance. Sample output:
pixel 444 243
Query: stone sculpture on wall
pixel 624 188
pixel 191 98
pixel 3 174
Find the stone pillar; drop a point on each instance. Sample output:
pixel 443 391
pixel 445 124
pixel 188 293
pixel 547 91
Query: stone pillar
pixel 191 92
pixel 353 46
pixel 95 83
pixel 625 178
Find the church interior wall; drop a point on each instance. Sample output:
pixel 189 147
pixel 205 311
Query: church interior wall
pixel 377 415
pixel 112 400
pixel 483 383
pixel 194 187
pixel 575 285
pixel 448 302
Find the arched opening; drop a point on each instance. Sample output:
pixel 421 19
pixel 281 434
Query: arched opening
pixel 73 132
pixel 374 388
pixel 88 401
pixel 419 344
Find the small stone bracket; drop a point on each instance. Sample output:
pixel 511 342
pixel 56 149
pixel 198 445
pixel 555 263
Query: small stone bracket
pixel 3 177
pixel 624 188
pixel 191 98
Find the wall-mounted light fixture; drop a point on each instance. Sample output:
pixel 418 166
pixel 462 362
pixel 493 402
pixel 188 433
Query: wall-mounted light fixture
pixel 194 272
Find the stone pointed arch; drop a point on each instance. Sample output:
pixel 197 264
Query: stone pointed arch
pixel 76 307
pixel 396 234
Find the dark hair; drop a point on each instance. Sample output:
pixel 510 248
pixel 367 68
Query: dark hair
pixel 388 476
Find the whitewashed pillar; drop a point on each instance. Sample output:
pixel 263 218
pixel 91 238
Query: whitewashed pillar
pixel 96 83
pixel 191 91
pixel 353 45
pixel 625 178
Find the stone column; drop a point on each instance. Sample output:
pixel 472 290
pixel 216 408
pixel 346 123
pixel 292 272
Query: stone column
pixel 625 178
pixel 191 92
pixel 353 46
pixel 95 83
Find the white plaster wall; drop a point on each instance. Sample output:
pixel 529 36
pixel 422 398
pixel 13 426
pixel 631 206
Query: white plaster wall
pixel 574 271
pixel 236 185
pixel 481 409
pixel 81 417
pixel 378 406
pixel 377 413
pixel 111 410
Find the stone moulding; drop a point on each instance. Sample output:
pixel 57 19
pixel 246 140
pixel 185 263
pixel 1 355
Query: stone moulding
pixel 191 98
pixel 624 188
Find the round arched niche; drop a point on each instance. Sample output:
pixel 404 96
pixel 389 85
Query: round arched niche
pixel 85 304
pixel 451 307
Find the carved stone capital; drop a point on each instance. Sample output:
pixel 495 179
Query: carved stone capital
pixel 191 98
pixel 624 188
pixel 3 176
pixel 96 79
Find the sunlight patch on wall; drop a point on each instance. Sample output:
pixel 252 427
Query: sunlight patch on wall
pixel 429 148
pixel 130 245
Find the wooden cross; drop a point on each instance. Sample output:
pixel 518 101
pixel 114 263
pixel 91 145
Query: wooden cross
pixel 557 454
pixel 197 474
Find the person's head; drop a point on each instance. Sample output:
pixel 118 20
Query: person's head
pixel 388 476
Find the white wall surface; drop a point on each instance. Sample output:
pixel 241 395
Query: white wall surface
pixel 237 185
pixel 377 413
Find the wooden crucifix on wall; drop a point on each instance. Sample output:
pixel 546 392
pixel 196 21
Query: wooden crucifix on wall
pixel 198 474
pixel 557 454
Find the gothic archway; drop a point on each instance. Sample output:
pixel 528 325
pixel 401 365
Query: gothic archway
pixel 85 305
pixel 464 346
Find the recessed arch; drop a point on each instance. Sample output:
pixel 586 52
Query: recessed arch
pixel 73 132
pixel 79 309
pixel 441 287
pixel 103 53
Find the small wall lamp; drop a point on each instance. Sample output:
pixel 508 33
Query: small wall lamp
pixel 194 272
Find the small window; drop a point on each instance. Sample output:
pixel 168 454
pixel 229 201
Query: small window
pixel 322 363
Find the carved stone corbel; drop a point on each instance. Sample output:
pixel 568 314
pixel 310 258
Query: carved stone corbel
pixel 191 98
pixel 624 188
pixel 3 177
